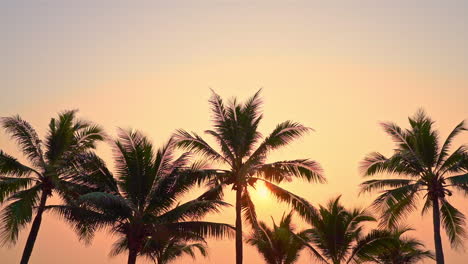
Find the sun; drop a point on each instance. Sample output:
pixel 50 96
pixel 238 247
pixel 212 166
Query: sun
pixel 261 190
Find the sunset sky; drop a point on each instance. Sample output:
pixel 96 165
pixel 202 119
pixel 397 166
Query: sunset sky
pixel 340 68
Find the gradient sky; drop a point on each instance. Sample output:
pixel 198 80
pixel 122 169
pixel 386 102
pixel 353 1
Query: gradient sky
pixel 339 67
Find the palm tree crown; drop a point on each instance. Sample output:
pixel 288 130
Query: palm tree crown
pixel 280 244
pixel 52 162
pixel 338 236
pixel 243 152
pixel 426 170
pixel 140 203
pixel 400 249
pixel 165 251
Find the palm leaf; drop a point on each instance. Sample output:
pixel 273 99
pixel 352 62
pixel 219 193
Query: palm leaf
pixel 10 166
pixel 283 134
pixel 396 203
pixel 106 203
pixel 454 222
pixel 10 185
pixel 460 182
pixel 373 185
pixel 248 209
pixel 84 221
pixel 457 162
pixel 299 204
pixel 194 143
pixel 284 170
pixel 26 137
pixel 448 142
pixel 202 228
pixel 18 213
pixel 195 209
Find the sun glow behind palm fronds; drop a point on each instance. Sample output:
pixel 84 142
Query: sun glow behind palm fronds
pixel 261 191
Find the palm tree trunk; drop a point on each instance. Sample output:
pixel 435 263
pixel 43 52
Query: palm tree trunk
pixel 34 230
pixel 132 256
pixel 239 252
pixel 436 223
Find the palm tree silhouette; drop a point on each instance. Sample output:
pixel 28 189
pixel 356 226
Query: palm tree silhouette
pixel 27 188
pixel 140 203
pixel 426 170
pixel 236 132
pixel 338 237
pixel 401 249
pixel 166 250
pixel 280 244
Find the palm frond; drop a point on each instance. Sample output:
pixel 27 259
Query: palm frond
pixel 427 205
pixel 448 142
pixel 120 246
pixel 368 247
pixel 377 185
pixel 299 204
pixel 375 163
pixel 11 185
pixel 87 137
pixel 457 162
pixel 60 137
pixel 401 138
pixel 84 221
pixel 90 171
pixel 285 170
pixel 192 210
pixel 312 250
pixel 217 108
pixel 458 180
pixel 18 213
pixel 454 222
pixel 248 209
pixel 10 166
pixel 215 192
pixel 396 203
pixel 228 152
pixel 202 228
pixel 167 249
pixel 26 137
pixel 195 144
pixel 283 134
pixel 134 162
pixel 336 230
pixel 107 203
pixel 178 183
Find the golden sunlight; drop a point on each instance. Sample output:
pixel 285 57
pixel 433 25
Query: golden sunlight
pixel 261 190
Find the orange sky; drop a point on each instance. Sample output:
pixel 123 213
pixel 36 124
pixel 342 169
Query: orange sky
pixel 338 68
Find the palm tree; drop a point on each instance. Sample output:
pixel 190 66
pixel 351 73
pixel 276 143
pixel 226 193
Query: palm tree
pixel 165 250
pixel 244 157
pixel 280 244
pixel 141 201
pixel 26 188
pixel 402 249
pixel 426 170
pixel 337 234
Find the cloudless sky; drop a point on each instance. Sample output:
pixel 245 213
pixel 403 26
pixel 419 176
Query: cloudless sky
pixel 337 66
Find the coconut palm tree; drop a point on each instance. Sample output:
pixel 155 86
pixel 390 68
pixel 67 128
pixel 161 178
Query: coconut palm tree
pixel 426 170
pixel 166 250
pixel 26 188
pixel 242 156
pixel 280 244
pixel 337 234
pixel 401 249
pixel 141 202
